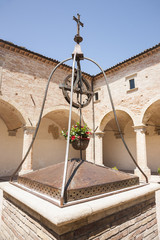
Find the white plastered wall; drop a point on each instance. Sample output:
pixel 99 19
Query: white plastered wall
pixel 47 150
pixel 114 152
pixel 10 150
pixel 153 152
pixel 151 117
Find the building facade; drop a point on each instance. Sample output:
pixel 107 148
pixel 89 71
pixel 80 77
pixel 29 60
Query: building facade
pixel 135 89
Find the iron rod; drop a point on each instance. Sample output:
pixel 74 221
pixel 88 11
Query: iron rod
pixel 40 116
pixel 93 119
pixel 115 116
pixel 80 79
pixel 81 135
pixel 151 125
pixel 68 138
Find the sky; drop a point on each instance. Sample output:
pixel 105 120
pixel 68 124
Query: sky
pixel 114 30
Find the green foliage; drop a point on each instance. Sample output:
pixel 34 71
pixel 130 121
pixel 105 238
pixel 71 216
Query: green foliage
pixel 77 132
pixel 158 170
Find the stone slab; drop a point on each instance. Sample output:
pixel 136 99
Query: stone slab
pixel 64 219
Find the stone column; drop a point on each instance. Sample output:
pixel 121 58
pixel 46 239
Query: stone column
pixel 27 138
pixel 141 152
pixel 99 148
pixel 89 151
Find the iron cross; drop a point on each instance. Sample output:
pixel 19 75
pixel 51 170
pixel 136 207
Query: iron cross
pixel 78 23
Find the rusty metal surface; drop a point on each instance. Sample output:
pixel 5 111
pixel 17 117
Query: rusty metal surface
pixel 81 88
pixel 80 175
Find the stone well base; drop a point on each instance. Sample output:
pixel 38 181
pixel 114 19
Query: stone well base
pixel 128 215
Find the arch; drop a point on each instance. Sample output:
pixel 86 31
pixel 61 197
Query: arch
pixel 108 116
pixel 152 115
pixel 50 146
pixel 56 112
pixel 11 142
pixel 151 118
pixel 114 152
pixel 146 106
pixel 10 115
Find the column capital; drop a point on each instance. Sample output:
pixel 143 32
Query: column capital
pixel 100 134
pixel 29 129
pixel 140 128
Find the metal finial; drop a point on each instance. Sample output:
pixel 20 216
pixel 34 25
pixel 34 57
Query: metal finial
pixel 77 37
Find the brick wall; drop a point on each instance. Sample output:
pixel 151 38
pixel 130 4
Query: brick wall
pixel 20 224
pixel 147 72
pixel 23 76
pixel 22 85
pixel 136 222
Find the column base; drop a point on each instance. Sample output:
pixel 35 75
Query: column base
pixel 25 172
pixel 147 171
pixel 99 162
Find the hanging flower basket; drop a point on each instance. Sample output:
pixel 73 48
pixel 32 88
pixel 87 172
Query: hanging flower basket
pixel 79 136
pixel 80 144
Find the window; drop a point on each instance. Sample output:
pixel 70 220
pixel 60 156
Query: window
pixel 96 97
pixel 132 83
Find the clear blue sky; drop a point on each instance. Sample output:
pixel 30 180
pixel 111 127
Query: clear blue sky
pixel 114 30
